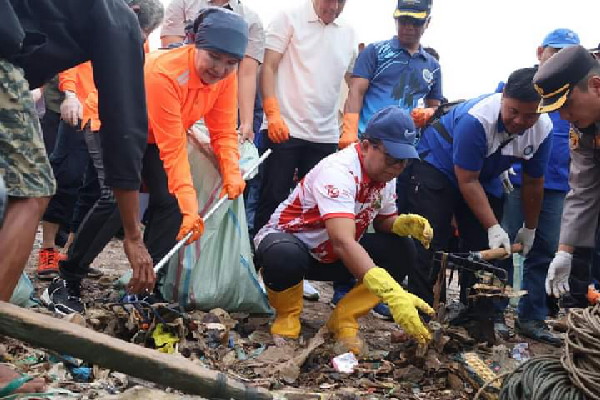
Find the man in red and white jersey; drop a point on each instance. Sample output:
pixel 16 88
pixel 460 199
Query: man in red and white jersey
pixel 319 233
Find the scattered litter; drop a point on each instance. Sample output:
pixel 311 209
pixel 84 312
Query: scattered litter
pixel 521 352
pixel 164 340
pixel 345 363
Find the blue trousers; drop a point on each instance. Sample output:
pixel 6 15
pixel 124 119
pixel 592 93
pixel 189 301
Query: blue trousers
pixel 533 306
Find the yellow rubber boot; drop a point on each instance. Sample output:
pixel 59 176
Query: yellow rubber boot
pixel 343 322
pixel 288 306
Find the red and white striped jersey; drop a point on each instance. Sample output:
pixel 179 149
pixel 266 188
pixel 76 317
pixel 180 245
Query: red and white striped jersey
pixel 337 187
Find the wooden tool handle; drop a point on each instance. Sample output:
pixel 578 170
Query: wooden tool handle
pixel 498 254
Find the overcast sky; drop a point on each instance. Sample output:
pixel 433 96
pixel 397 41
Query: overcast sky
pixel 480 41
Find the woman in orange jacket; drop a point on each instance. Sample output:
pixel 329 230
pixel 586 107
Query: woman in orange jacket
pixel 183 85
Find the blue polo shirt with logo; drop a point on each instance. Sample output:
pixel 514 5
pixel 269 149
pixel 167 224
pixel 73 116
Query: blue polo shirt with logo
pixel 478 141
pixel 396 78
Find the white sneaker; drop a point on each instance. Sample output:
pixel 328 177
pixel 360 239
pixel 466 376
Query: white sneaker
pixel 310 293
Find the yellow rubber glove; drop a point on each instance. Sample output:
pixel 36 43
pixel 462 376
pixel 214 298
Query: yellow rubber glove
pixel 414 225
pixel 349 130
pixel 403 305
pixel 278 131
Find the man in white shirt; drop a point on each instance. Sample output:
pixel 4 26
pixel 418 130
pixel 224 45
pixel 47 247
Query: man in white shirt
pixel 308 52
pixel 319 232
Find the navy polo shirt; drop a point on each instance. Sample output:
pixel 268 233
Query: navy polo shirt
pixel 396 78
pixel 557 174
pixel 479 142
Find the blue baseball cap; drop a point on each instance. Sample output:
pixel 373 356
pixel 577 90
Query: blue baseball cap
pixel 396 130
pixel 561 38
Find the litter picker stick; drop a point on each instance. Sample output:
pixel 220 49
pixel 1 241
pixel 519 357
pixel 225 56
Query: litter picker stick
pixel 208 214
pixel 498 254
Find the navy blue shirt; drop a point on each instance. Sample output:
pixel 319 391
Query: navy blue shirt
pixel 479 142
pixel 396 78
pixel 557 174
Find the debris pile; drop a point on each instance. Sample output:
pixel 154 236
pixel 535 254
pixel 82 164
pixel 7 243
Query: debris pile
pixel 454 366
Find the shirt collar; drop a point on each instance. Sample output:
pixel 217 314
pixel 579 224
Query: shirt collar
pixel 366 178
pixel 501 127
pixel 312 16
pixel 397 46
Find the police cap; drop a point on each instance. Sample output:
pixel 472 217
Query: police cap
pixel 556 77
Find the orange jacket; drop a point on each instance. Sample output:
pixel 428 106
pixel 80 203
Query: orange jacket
pixel 80 80
pixel 176 98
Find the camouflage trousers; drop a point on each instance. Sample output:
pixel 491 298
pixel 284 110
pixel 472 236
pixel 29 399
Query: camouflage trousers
pixel 24 164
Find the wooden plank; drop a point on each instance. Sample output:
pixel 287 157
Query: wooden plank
pixel 96 348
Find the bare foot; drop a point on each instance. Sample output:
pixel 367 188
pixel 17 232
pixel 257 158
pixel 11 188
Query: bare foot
pixel 7 375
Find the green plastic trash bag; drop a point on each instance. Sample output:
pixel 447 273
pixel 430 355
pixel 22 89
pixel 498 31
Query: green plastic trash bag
pixel 23 291
pixel 216 271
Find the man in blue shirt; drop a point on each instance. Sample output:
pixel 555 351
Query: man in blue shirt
pixel 462 155
pixel 533 308
pixel 397 71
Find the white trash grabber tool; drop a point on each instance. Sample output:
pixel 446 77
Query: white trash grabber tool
pixel 209 213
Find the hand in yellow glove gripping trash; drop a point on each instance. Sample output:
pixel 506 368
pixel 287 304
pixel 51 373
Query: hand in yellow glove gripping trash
pixel 278 130
pixel 349 130
pixel 403 305
pixel 414 225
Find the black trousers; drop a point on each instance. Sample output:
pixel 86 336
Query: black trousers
pixel 87 196
pixel 69 160
pixel 432 195
pixel 163 215
pixel 278 175
pixel 99 225
pixel 580 278
pixel 49 123
pixel 285 260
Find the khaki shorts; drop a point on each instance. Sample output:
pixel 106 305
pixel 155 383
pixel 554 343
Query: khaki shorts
pixel 24 164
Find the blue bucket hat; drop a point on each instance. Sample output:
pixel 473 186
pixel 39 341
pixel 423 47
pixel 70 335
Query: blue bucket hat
pixel 221 30
pixel 396 130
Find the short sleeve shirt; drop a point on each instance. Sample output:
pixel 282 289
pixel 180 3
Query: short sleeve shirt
pixel 315 58
pixel 337 187
pixel 396 78
pixel 479 142
pixel 180 12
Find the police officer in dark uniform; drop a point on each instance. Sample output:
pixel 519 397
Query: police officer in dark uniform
pixel 570 82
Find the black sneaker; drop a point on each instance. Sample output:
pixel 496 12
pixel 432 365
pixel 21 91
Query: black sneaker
pixel 63 297
pixel 536 330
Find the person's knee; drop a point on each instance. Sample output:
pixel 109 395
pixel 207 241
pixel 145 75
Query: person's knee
pixel 283 262
pixel 34 206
